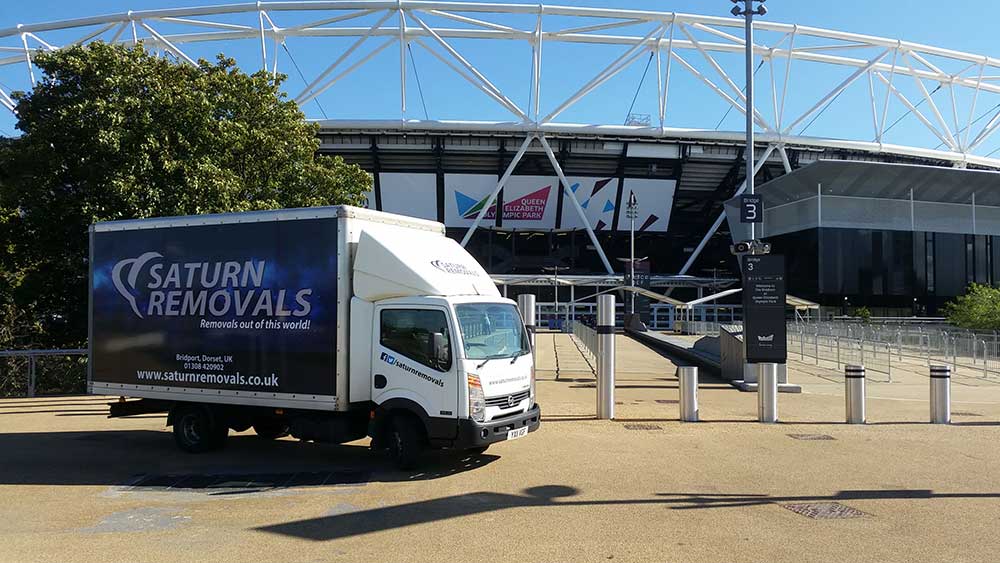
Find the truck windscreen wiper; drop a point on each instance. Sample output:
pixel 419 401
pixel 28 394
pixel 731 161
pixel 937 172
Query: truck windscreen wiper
pixel 518 355
pixel 488 358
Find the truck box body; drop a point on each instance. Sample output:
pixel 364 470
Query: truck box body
pixel 248 308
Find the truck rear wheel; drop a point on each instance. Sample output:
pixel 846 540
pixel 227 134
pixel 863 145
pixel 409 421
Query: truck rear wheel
pixel 196 430
pixel 406 441
pixel 270 429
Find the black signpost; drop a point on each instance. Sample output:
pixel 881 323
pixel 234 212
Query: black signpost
pixel 764 308
pixel 642 280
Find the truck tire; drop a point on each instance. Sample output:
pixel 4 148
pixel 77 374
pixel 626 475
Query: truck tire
pixel 270 429
pixel 406 441
pixel 196 430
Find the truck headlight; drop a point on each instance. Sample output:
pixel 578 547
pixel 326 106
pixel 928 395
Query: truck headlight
pixel 531 393
pixel 477 400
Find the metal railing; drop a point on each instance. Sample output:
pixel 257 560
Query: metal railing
pixel 586 339
pixel 701 328
pixel 860 349
pixel 967 352
pixel 662 316
pixel 29 373
pixel 562 315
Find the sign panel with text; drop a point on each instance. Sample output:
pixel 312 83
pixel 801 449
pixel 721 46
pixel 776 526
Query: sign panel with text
pixel 764 308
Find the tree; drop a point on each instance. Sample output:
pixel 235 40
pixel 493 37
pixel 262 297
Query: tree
pixel 863 313
pixel 978 309
pixel 112 132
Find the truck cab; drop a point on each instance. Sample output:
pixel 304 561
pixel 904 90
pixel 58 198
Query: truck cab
pixel 450 363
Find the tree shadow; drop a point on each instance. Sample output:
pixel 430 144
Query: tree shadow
pixel 124 457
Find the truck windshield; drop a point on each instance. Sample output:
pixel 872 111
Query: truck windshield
pixel 491 330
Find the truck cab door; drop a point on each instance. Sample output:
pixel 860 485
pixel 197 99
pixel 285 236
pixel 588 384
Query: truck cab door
pixel 413 358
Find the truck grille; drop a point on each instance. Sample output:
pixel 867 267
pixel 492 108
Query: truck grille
pixel 507 401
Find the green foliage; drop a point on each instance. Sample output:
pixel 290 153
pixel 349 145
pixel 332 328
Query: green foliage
pixel 978 309
pixel 114 133
pixel 863 313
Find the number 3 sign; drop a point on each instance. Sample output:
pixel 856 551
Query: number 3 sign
pixel 751 209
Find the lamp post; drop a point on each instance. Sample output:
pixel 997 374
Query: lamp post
pixel 632 211
pixel 555 282
pixel 748 12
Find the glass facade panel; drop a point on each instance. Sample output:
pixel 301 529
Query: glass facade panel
pixel 982 259
pixel 949 264
pixel 889 267
pixel 919 264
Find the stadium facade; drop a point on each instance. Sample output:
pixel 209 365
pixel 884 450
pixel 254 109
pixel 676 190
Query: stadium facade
pixel 860 254
pixel 887 202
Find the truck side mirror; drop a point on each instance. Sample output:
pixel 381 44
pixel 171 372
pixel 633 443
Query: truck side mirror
pixel 440 352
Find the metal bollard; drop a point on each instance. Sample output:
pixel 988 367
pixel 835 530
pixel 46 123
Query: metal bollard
pixel 606 357
pixel 854 381
pixel 940 394
pixel 687 377
pixel 526 303
pixel 767 393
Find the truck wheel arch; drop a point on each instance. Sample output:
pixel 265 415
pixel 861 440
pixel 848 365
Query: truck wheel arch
pixel 385 412
pixel 438 431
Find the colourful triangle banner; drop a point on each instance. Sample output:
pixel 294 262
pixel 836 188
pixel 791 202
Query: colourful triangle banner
pixel 463 202
pixel 649 221
pixel 599 185
pixel 530 207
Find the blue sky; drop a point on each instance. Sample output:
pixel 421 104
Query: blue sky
pixel 372 91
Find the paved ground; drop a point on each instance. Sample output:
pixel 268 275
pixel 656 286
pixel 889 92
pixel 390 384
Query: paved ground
pixel 75 486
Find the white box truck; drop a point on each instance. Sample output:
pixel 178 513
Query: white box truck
pixel 327 323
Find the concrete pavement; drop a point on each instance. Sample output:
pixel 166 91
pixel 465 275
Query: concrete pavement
pixel 75 486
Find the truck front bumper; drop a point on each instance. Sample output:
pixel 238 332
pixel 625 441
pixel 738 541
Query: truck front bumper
pixel 472 434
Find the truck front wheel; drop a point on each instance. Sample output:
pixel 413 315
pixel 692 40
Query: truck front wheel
pixel 406 441
pixel 270 428
pixel 196 430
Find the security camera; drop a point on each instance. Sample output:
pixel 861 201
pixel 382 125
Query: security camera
pixel 755 247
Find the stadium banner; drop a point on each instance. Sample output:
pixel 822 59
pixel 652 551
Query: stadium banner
pixel 655 199
pixel 597 196
pixel 529 201
pixel 406 193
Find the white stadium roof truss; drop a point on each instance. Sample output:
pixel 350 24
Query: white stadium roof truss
pixel 897 76
pixel 891 79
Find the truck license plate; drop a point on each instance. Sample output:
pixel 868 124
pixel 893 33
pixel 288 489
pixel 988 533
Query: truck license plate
pixel 517 433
